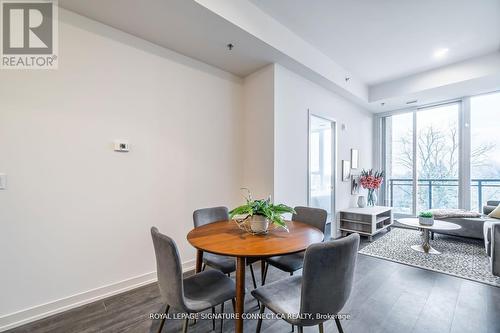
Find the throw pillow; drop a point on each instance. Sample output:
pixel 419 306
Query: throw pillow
pixel 495 213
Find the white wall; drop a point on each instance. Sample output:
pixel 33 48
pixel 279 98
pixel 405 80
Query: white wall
pixel 294 96
pixel 76 215
pixel 258 119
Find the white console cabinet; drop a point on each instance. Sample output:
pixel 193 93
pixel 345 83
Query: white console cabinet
pixel 367 221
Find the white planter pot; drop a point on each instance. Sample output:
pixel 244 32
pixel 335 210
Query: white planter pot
pixel 361 201
pixel 426 220
pixel 259 224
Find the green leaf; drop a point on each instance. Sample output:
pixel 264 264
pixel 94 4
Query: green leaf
pixel 241 210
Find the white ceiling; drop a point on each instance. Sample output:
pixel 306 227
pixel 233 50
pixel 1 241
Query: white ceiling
pixel 371 41
pixel 182 26
pixel 197 31
pixel 387 39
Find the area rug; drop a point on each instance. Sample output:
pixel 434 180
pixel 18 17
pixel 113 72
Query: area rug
pixel 462 257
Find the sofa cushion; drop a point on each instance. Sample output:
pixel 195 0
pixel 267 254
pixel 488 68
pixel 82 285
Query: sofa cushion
pixel 495 213
pixel 454 213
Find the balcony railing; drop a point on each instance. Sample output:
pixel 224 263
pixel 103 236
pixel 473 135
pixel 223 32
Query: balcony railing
pixel 446 189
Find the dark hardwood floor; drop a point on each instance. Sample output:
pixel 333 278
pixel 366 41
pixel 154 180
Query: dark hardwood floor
pixel 387 297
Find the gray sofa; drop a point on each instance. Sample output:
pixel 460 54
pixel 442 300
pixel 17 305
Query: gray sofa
pixel 484 227
pixel 472 227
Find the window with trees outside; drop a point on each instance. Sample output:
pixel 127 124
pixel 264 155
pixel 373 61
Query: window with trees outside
pixel 485 149
pixel 444 156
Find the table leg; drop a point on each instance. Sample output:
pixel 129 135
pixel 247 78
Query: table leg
pixel 240 293
pixel 199 260
pixel 426 246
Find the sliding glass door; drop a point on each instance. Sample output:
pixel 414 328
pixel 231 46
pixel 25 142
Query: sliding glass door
pixel 421 159
pixel 437 157
pixel 399 162
pixel 485 149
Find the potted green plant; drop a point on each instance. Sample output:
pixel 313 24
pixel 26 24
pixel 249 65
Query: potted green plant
pixel 426 218
pixel 260 213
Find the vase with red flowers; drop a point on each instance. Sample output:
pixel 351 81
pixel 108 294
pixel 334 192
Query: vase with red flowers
pixel 371 180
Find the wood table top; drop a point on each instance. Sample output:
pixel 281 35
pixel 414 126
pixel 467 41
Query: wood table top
pixel 226 238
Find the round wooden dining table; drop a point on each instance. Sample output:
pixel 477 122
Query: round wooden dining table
pixel 226 238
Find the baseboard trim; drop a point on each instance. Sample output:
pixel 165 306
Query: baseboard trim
pixel 41 311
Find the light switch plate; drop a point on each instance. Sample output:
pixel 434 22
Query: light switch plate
pixel 3 181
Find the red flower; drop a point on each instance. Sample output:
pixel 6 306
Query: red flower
pixel 371 182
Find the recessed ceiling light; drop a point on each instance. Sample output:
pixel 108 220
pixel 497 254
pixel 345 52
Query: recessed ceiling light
pixel 440 53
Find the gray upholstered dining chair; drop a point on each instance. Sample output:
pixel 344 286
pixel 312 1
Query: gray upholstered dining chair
pixel 194 294
pixel 225 264
pixel 205 216
pixel 323 288
pixel 291 263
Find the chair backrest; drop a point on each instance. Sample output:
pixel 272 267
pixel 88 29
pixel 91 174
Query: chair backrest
pixel 209 215
pixel 328 275
pixel 312 216
pixel 169 270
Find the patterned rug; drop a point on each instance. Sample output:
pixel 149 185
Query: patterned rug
pixel 462 257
